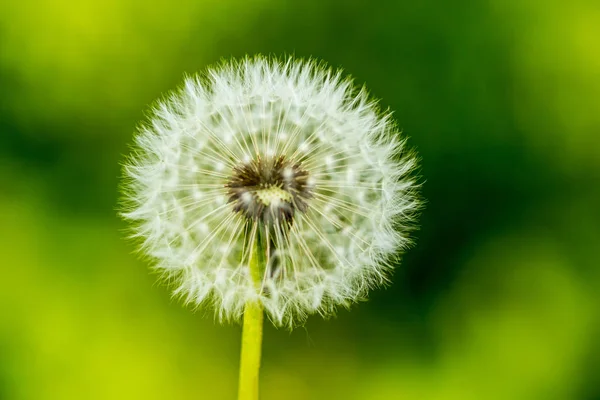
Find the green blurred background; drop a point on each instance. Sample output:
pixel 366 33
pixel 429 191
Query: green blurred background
pixel 498 299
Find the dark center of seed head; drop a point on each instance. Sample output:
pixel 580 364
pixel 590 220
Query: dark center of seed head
pixel 270 190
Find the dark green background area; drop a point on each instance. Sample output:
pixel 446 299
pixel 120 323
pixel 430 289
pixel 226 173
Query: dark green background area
pixel 498 299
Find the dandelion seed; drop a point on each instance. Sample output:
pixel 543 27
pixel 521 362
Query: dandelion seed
pixel 285 152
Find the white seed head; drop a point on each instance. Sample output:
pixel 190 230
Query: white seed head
pixel 285 151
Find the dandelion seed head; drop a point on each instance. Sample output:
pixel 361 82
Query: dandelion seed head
pixel 287 152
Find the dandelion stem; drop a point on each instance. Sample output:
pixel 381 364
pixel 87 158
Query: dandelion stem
pixel 251 335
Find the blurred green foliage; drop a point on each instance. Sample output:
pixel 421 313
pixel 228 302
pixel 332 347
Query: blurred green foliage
pixel 499 298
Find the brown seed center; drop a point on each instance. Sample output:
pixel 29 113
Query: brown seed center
pixel 270 190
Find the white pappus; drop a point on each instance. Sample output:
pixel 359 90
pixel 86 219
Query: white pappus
pixel 285 152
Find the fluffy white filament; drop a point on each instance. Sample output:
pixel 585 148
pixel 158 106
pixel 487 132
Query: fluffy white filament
pixel 356 221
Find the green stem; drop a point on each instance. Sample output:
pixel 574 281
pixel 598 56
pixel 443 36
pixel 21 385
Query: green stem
pixel 251 336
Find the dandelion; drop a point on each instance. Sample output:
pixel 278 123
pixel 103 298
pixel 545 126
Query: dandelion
pixel 270 185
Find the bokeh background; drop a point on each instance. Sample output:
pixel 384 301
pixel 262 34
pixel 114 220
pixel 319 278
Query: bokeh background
pixel 497 300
